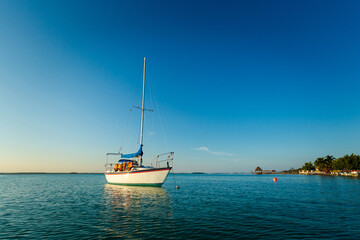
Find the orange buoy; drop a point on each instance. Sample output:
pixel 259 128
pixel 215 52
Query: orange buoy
pixel 275 179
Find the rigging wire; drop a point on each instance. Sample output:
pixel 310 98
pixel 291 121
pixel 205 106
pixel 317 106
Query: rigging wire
pixel 152 95
pixel 128 120
pixel 173 173
pixel 160 121
pixel 149 86
pixel 125 131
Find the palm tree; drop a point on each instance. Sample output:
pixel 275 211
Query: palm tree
pixel 325 163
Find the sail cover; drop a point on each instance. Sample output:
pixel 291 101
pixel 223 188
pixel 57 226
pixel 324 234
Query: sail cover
pixel 132 155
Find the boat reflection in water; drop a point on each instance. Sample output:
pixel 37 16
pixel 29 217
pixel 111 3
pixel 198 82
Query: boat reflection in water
pixel 132 211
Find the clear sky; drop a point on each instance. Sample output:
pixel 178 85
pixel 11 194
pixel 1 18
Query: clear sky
pixel 234 84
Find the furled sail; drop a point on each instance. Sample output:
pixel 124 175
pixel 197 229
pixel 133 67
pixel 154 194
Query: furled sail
pixel 132 155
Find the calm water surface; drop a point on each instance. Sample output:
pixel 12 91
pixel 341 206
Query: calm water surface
pixel 206 206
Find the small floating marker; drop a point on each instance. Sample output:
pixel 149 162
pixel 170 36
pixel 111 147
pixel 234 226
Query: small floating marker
pixel 275 179
pixel 177 187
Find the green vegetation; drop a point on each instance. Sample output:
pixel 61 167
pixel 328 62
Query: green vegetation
pixel 347 162
pixel 327 163
pixel 291 171
pixel 308 166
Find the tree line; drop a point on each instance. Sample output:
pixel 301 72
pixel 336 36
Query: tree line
pixel 327 163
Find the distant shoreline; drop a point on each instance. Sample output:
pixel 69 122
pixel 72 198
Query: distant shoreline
pixel 29 173
pixel 46 173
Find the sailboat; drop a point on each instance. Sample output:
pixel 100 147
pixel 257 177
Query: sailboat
pixel 129 169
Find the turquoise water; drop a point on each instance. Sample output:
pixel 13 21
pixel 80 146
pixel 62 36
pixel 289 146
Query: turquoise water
pixel 206 206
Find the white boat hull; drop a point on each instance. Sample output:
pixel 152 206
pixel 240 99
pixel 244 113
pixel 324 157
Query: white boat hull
pixel 148 177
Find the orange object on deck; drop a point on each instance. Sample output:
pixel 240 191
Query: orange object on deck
pixel 130 164
pixel 116 167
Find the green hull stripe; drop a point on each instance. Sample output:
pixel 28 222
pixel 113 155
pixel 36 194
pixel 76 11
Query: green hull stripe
pixel 139 184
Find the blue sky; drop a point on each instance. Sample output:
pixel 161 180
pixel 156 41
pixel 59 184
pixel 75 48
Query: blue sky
pixel 234 84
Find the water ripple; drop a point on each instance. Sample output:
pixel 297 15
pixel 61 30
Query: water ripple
pixel 206 206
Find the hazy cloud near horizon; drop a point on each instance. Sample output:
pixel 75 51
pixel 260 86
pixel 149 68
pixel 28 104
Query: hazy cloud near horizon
pixel 214 153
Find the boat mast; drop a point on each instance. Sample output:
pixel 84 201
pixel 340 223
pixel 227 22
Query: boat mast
pixel 142 111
